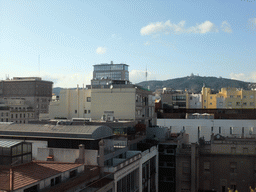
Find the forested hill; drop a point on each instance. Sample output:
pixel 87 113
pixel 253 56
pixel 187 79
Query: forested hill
pixel 192 83
pixel 195 83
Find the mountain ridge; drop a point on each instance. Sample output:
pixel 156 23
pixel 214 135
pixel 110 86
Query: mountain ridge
pixel 192 83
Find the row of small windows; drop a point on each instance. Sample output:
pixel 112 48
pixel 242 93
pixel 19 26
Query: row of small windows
pixel 109 75
pixel 231 130
pixel 239 96
pixel 241 104
pixel 20 115
pixel 85 111
pixel 178 97
pixel 110 67
pixel 237 103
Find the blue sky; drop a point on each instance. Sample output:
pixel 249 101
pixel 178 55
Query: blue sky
pixel 171 38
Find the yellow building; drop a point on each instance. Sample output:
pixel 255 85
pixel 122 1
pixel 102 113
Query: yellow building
pixel 228 98
pixel 208 99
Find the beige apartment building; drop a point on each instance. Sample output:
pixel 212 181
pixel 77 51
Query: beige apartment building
pixel 72 103
pixel 16 110
pixel 123 102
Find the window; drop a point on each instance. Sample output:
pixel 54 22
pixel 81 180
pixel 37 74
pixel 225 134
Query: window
pixel 250 130
pixel 233 150
pixel 205 101
pixel 237 103
pixel 72 173
pixel 233 167
pixel 11 115
pixel 244 104
pixel 207 166
pixel 244 97
pixel 251 103
pixel 169 179
pixel 16 116
pixel 57 180
pixel 211 97
pixel 231 130
pixel 52 182
pixel 238 96
pixel 251 96
pixel 75 111
pixel 85 111
pixel 245 151
pixel 170 151
pixel 231 96
pixel 210 103
pixel 89 111
pixel 185 167
pixel 229 103
pixel 170 164
pixel 88 99
pixel 221 103
pixel 219 130
pixel 211 129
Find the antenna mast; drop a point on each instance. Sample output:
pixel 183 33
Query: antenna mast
pixel 39 64
pixel 146 74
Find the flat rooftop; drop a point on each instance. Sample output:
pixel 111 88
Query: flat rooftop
pixel 84 132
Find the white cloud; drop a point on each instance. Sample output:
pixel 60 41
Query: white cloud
pixel 147 43
pixel 244 77
pixel 225 26
pixel 168 27
pixel 101 50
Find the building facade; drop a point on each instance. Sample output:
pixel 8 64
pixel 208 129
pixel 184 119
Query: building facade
pixel 219 165
pixel 104 73
pixel 72 103
pixel 197 128
pixel 36 92
pixel 228 98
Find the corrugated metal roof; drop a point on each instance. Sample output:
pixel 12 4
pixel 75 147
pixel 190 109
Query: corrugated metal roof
pixel 61 131
pixel 8 144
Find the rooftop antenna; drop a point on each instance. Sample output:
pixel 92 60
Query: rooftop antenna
pixel 39 64
pixel 146 74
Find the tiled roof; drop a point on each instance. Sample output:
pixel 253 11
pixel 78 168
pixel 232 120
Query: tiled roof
pixel 33 172
pixel 90 173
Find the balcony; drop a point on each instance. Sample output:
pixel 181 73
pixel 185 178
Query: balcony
pixel 132 156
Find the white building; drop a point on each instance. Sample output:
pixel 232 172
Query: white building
pixel 195 101
pixel 73 103
pixel 197 128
